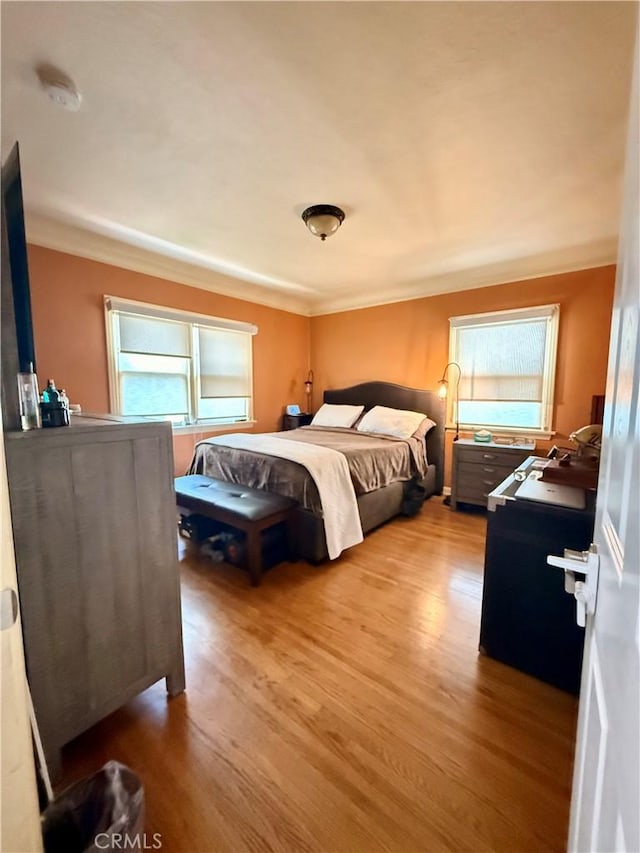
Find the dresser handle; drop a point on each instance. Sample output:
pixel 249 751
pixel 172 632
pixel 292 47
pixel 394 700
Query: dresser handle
pixel 488 456
pixel 488 482
pixel 488 470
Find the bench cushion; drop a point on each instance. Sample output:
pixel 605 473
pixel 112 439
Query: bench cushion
pixel 203 494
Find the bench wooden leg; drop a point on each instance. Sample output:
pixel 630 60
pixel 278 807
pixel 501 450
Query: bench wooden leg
pixel 254 555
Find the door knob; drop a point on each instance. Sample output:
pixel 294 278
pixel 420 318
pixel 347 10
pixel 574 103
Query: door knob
pixel 586 563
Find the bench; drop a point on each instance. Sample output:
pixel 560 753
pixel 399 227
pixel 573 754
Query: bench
pixel 249 510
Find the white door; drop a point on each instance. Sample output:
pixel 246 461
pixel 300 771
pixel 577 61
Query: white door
pixel 20 823
pixel 605 802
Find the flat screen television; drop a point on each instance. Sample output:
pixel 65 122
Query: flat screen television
pixel 18 349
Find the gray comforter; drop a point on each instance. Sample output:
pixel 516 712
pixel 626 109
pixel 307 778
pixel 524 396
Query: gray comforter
pixel 374 461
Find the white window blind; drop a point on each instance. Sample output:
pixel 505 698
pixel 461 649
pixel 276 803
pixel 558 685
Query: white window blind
pixel 507 362
pixel 188 368
pixel 225 363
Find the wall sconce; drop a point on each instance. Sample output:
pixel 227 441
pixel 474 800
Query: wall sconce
pixel 443 390
pixel 308 388
pixel 323 220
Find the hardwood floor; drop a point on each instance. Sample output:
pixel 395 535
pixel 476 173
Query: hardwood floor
pixel 345 708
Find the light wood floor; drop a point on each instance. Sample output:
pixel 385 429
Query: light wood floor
pixel 345 708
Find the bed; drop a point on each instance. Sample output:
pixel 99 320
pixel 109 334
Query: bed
pixel 384 471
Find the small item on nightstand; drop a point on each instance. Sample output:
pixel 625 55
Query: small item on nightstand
pixel 54 407
pixel 482 435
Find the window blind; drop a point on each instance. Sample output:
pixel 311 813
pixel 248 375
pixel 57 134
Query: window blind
pixel 502 362
pixel 507 366
pixel 155 337
pixel 225 363
pixel 186 367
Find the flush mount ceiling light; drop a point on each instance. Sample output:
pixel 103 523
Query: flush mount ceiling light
pixel 323 219
pixel 60 88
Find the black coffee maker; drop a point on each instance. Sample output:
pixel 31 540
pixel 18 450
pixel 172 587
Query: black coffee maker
pixel 54 406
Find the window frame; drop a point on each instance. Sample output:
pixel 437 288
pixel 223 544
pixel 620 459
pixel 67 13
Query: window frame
pixel 113 305
pixel 550 313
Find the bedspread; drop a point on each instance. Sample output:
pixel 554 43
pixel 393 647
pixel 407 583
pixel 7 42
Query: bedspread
pixel 374 461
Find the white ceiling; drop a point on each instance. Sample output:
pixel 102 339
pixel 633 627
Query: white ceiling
pixel 468 143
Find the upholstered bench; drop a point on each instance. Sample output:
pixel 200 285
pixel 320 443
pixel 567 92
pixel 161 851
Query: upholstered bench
pixel 249 510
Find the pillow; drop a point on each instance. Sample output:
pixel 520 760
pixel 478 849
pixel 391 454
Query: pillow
pixel 426 426
pixel 396 422
pixel 330 415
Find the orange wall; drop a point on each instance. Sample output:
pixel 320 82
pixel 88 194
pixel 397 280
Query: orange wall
pixel 68 317
pixel 408 342
pixel 404 342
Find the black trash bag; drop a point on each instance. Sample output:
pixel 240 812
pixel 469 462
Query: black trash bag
pixel 97 813
pixel 413 497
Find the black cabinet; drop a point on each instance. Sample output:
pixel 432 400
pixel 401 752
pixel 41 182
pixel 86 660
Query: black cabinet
pixel 528 620
pixel 295 421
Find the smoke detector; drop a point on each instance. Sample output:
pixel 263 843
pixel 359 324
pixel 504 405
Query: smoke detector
pixel 60 88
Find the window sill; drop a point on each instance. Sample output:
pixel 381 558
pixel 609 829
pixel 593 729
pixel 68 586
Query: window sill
pixel 513 432
pixel 192 429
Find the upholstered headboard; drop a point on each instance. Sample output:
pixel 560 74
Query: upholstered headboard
pixel 370 394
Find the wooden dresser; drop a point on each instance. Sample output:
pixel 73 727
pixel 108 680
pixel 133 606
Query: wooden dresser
pixel 94 525
pixel 478 467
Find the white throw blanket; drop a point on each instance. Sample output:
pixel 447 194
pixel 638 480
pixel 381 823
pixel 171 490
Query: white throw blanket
pixel 330 472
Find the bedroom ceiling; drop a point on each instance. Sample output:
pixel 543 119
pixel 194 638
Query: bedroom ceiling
pixel 468 143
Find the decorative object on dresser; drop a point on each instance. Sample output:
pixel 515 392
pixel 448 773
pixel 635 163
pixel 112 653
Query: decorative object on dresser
pixel 478 467
pixel 582 473
pixel 295 421
pixel 93 513
pixel 528 620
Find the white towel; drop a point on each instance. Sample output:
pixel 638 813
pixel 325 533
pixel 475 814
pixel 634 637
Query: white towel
pixel 330 472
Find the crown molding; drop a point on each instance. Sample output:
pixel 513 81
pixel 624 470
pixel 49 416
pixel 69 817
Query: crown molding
pixel 51 233
pixel 600 254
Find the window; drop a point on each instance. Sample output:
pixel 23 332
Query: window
pixel 508 362
pixel 187 368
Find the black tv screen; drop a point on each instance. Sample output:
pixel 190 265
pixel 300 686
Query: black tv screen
pixel 13 211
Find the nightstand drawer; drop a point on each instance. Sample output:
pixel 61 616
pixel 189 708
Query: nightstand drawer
pixel 490 455
pixel 470 495
pixel 481 477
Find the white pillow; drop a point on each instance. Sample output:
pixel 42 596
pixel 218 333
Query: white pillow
pixel 396 422
pixel 330 415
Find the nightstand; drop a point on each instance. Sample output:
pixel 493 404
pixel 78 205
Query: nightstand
pixel 295 421
pixel 478 467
